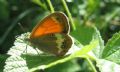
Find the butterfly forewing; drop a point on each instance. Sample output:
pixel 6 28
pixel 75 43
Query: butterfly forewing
pixel 54 23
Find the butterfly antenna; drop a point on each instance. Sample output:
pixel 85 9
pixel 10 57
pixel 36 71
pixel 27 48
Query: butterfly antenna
pixel 22 27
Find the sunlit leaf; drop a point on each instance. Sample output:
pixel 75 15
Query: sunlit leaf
pixel 98 50
pixel 107 66
pixel 112 49
pixel 14 64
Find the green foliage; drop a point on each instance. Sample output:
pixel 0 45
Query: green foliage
pixel 40 60
pixel 15 63
pixel 99 49
pixel 112 49
pixel 4 14
pixel 2 61
pixel 107 66
pixel 83 34
pixel 95 29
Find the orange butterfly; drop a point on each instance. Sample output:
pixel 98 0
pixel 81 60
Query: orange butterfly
pixel 51 35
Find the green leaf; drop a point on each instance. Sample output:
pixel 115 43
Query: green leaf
pixel 2 61
pixel 112 49
pixel 93 44
pixel 61 60
pixel 36 60
pixel 69 66
pixel 107 66
pixel 98 50
pixel 83 34
pixel 24 64
pixel 22 51
pixel 14 64
pixel 20 46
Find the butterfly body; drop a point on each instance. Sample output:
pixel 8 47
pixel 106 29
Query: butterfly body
pixel 51 35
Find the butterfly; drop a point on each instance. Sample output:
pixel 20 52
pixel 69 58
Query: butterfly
pixel 51 35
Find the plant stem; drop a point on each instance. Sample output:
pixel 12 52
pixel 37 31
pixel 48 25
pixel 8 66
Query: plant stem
pixel 14 23
pixel 38 2
pixel 51 6
pixel 91 64
pixel 69 14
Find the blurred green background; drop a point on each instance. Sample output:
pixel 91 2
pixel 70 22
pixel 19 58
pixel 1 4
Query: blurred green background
pixel 14 14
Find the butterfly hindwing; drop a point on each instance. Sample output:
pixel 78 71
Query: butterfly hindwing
pixel 57 43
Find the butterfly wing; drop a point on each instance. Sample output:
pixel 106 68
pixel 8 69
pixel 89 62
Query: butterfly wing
pixel 54 23
pixel 52 34
pixel 57 43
